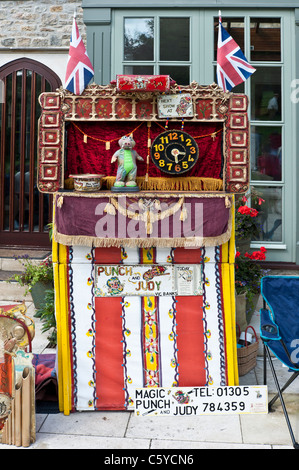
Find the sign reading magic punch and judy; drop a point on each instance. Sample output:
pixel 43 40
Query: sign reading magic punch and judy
pixel 145 280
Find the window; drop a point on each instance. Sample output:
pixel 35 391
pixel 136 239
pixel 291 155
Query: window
pixel 148 47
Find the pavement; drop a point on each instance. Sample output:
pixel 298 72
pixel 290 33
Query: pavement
pixel 121 433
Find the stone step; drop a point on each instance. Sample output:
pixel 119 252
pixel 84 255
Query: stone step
pixel 12 291
pixel 11 260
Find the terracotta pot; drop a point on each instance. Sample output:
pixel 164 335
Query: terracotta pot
pixel 241 311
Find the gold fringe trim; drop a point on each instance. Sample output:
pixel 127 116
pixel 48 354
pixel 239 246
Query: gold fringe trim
pixel 76 240
pixel 180 183
pixel 138 194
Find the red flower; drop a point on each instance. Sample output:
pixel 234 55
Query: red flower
pixel 237 254
pixel 257 255
pixel 245 210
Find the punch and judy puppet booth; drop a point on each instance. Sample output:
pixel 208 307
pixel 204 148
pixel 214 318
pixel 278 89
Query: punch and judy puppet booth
pixel 143 174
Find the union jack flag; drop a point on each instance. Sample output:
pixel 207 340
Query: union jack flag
pixel 79 70
pixel 232 66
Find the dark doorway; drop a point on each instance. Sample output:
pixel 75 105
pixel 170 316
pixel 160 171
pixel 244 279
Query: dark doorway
pixel 24 212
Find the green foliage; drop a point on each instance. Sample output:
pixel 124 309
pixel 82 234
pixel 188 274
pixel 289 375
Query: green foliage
pixel 34 272
pixel 46 313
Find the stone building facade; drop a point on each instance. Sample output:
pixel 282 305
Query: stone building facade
pixel 40 30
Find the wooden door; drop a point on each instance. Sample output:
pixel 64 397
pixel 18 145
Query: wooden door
pixel 24 212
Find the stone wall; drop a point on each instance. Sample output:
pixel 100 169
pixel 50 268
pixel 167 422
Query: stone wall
pixel 39 23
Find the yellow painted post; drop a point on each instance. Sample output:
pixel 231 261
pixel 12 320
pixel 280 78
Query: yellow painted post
pixel 64 371
pixel 232 255
pixel 58 328
pixel 228 276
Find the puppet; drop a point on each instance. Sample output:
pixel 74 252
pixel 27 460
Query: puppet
pixel 127 168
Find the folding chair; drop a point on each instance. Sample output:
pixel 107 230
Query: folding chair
pixel 279 330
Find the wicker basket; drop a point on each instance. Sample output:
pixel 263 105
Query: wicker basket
pixel 247 355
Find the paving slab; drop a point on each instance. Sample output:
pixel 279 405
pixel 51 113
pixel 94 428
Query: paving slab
pixel 89 423
pixel 187 428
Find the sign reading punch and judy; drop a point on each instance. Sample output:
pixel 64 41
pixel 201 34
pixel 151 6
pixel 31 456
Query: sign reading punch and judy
pixel 195 401
pixel 144 280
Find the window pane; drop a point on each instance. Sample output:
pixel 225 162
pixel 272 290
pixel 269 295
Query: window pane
pixel 139 39
pixel 234 26
pixel 270 213
pixel 174 39
pixel 266 94
pixel 177 73
pixel 138 70
pixel 266 153
pixel 265 39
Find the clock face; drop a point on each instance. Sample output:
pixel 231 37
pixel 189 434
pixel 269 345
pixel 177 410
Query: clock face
pixel 174 152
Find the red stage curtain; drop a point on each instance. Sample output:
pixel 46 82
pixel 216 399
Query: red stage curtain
pixel 92 156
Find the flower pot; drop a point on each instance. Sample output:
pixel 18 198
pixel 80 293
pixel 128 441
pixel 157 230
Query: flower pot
pixel 241 311
pixel 251 307
pixel 38 292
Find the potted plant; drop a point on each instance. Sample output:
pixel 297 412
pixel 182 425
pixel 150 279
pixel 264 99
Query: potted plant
pixel 248 275
pixel 37 277
pixel 246 222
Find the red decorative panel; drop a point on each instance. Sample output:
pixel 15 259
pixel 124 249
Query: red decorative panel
pixel 159 83
pixel 50 101
pixel 237 145
pixel 51 136
pixel 83 108
pixel 49 172
pixel 103 108
pixel 238 174
pixel 238 103
pixel 238 138
pixel 238 156
pixel 50 165
pixel 204 109
pixel 50 119
pixel 144 109
pixel 238 121
pixel 123 108
pixel 50 155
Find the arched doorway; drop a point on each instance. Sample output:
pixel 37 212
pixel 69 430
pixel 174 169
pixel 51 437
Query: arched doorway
pixel 24 212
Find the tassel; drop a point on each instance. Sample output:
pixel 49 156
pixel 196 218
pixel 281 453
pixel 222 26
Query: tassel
pixel 60 202
pixel 110 209
pixel 184 214
pixel 227 202
pixel 157 205
pixel 213 136
pixel 147 167
pixel 85 139
pixel 108 145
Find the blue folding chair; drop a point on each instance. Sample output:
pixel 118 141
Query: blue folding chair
pixel 279 330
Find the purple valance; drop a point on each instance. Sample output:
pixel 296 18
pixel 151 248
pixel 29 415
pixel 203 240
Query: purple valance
pixel 143 219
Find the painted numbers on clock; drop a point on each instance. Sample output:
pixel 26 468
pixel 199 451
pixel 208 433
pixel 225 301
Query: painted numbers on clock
pixel 174 152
